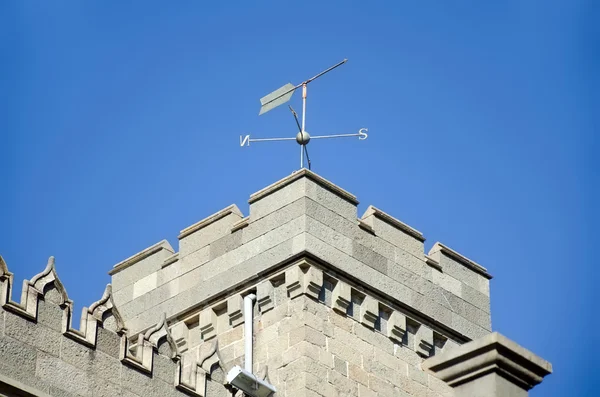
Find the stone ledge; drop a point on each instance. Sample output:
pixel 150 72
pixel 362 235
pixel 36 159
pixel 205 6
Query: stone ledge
pixel 493 353
pixel 477 268
pixel 371 210
pixel 132 260
pixel 297 175
pixel 232 209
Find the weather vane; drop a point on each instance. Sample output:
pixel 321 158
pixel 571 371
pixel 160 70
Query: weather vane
pixel 283 95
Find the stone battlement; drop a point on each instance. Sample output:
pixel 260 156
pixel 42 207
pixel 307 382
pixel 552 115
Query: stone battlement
pixel 304 215
pixel 42 354
pixel 344 306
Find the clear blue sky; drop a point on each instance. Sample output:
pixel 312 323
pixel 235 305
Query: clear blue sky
pixel 120 126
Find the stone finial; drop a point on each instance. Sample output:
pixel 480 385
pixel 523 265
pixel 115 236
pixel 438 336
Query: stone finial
pixel 491 366
pixel 106 305
pixel 98 312
pixel 192 370
pixel 159 334
pixel 6 278
pixel 39 285
pixel 141 354
pixel 41 281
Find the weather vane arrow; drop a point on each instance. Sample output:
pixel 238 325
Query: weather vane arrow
pixel 283 95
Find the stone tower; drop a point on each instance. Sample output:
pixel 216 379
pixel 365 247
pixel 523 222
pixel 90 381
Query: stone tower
pixel 342 306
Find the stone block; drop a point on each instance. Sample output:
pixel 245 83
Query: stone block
pixel 144 285
pixel 344 385
pixel 382 387
pixel 358 374
pixel 374 338
pixel 415 263
pixel 369 312
pixel 370 258
pixel 344 206
pixel 308 334
pixel 407 355
pixel 264 204
pixel 423 341
pixel 231 336
pixel 235 310
pixel 382 357
pixel 37 335
pixel 208 230
pixel 108 342
pixel 194 260
pixel 467 328
pixel 225 244
pixel 341 297
pixel 163 368
pixel 50 315
pixel 364 391
pixel 263 225
pixel 329 235
pixel 207 324
pixel 104 388
pixel 62 375
pixel 461 268
pixel 90 360
pixel 151 261
pixel 169 272
pixel 344 351
pixel 476 298
pixel 340 365
pixel 17 359
pixel 447 282
pixel 394 231
pixel 124 295
pixel 396 327
pixel 265 296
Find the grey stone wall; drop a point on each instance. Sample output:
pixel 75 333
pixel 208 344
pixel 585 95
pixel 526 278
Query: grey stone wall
pixel 41 354
pixel 316 334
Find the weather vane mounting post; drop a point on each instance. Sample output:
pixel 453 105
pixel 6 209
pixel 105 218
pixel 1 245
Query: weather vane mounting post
pixel 283 95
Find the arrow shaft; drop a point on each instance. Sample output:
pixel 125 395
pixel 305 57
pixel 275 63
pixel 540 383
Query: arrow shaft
pixel 333 136
pixel 270 139
pixel 308 81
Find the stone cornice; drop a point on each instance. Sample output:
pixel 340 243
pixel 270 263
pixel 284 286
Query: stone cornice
pixel 493 353
pixel 232 209
pixel 332 271
pixel 477 268
pixel 300 174
pixel 161 245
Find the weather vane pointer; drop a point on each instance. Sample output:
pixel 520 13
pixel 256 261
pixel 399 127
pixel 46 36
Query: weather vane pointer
pixel 283 95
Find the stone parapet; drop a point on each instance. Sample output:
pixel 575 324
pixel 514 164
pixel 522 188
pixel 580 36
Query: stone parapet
pixel 41 354
pixel 304 214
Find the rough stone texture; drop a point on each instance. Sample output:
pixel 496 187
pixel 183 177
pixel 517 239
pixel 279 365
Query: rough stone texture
pixel 510 370
pixel 40 361
pixel 345 307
